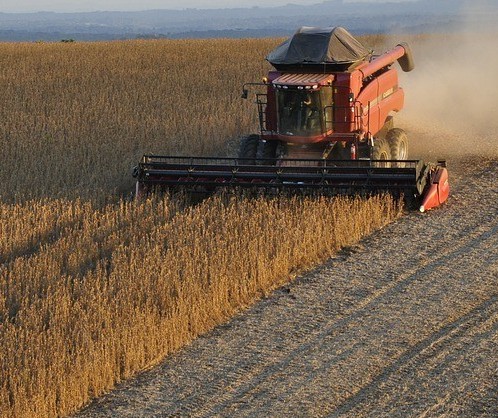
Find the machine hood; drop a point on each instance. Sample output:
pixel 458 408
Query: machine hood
pixel 333 46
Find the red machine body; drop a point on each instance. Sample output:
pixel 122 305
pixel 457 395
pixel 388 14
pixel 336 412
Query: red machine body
pixel 437 191
pixel 355 104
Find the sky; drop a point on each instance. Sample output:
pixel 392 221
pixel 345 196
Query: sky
pixel 11 6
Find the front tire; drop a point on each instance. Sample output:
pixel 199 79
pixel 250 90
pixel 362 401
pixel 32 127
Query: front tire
pixel 381 151
pixel 249 148
pixel 398 142
pixel 267 152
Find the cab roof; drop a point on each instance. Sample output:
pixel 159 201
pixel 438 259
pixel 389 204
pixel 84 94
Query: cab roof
pixel 303 79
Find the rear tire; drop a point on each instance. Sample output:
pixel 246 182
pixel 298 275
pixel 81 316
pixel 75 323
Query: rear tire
pixel 249 148
pixel 381 151
pixel 398 142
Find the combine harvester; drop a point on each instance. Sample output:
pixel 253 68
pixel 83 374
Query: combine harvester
pixel 326 125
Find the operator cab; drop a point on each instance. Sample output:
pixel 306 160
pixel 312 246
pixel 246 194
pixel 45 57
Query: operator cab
pixel 304 105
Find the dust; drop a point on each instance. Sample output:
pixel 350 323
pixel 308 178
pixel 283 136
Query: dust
pixel 451 97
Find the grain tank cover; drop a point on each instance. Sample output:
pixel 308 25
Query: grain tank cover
pixel 332 48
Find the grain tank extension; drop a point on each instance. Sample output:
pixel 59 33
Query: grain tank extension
pixel 325 124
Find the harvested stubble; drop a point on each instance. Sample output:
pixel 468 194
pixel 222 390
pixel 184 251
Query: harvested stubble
pixel 91 292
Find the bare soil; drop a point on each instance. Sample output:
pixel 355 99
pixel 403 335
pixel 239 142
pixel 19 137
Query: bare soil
pixel 403 324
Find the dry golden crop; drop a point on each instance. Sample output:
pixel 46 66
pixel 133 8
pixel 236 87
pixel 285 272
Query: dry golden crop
pixel 94 295
pixel 74 118
pixel 94 288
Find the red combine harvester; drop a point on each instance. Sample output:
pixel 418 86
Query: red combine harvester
pixel 326 124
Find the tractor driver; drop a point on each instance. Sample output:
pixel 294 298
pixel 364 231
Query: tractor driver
pixel 310 115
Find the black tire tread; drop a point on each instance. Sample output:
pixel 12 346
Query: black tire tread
pixel 267 152
pixel 249 148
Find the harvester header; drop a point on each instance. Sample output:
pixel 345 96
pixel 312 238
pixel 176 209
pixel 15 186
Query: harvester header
pixel 325 123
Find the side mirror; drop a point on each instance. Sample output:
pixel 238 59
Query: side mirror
pixel 245 93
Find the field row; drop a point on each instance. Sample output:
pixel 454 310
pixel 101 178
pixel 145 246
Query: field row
pixel 74 119
pixel 108 292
